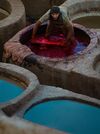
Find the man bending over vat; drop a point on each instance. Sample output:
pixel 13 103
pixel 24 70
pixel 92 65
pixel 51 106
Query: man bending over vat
pixel 58 22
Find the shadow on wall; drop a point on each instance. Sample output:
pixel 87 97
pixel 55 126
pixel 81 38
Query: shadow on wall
pixel 55 2
pixel 33 6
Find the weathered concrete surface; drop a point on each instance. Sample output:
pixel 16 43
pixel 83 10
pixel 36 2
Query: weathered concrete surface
pixel 18 126
pixel 14 22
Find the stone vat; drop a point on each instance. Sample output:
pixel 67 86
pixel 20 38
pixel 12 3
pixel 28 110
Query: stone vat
pixel 14 19
pixel 84 12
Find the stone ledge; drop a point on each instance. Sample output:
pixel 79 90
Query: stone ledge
pixel 18 126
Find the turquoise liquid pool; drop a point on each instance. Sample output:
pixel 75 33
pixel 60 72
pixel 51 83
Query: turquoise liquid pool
pixel 66 115
pixel 8 91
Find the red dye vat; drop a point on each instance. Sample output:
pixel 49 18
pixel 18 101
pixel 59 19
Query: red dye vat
pixel 55 47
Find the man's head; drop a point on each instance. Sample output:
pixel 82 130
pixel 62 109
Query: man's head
pixel 55 12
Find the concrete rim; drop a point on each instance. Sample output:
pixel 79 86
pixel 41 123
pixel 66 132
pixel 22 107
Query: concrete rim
pixel 16 9
pixel 56 93
pixel 82 8
pixel 19 73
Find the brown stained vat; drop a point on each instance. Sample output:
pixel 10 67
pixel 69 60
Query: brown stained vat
pixel 84 12
pixel 12 18
pixel 89 21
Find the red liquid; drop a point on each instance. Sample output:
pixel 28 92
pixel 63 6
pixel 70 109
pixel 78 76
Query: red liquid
pixel 54 47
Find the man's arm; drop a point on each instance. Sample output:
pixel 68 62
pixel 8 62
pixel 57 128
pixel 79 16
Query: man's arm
pixel 47 30
pixel 36 26
pixel 70 35
pixel 39 22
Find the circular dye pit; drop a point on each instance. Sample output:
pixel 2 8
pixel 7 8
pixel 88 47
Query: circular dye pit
pixel 57 50
pixel 66 115
pixel 89 21
pixel 12 18
pixel 8 90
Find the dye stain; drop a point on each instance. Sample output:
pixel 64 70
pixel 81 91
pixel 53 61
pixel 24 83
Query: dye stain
pixel 66 115
pixel 8 91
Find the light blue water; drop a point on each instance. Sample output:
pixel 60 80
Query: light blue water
pixel 66 115
pixel 8 91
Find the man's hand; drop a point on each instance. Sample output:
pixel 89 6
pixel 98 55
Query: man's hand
pixel 46 35
pixel 33 37
pixel 36 26
pixel 70 41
